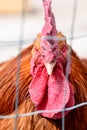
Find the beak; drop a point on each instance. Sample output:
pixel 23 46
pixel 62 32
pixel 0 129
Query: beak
pixel 49 67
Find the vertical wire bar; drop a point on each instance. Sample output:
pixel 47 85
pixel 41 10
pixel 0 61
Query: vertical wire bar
pixel 69 56
pixel 18 63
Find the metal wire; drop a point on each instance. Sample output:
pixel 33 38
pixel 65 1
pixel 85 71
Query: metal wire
pixel 26 42
pixel 20 43
pixel 69 57
pixel 43 111
pixel 18 64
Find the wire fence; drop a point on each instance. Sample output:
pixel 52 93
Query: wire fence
pixel 26 42
pixel 20 43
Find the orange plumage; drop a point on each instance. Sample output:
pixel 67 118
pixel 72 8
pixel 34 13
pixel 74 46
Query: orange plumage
pixel 75 120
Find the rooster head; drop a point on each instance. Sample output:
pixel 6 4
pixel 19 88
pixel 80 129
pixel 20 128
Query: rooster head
pixel 49 89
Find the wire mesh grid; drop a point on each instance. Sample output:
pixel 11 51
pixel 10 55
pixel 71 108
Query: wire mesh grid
pixel 20 43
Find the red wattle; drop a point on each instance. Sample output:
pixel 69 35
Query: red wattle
pixel 51 92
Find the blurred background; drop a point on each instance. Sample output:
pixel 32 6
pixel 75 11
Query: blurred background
pixel 17 25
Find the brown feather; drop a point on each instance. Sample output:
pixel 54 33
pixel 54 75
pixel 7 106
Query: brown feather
pixel 8 79
pixel 75 120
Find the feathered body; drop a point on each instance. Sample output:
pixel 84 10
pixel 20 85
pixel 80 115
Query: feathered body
pixel 75 120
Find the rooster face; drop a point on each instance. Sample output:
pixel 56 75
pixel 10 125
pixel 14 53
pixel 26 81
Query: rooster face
pixel 49 81
pixel 49 53
pixel 49 50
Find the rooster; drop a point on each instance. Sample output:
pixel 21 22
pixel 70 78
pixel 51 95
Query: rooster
pixel 42 83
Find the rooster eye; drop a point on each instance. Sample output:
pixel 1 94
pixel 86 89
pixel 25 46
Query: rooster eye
pixel 43 48
pixel 43 56
pixel 54 49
